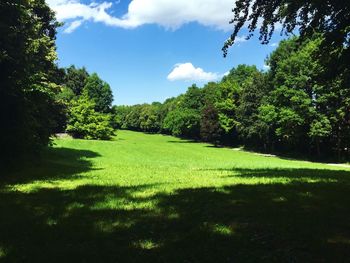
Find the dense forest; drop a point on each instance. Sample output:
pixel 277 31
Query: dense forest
pixel 301 104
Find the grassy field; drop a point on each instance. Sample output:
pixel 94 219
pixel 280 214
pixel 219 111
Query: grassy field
pixel 154 198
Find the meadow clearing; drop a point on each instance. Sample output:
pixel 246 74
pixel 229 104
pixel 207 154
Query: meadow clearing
pixel 156 198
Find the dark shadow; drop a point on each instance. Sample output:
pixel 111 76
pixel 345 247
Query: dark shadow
pixel 281 155
pixel 57 163
pixel 215 146
pixel 298 156
pixel 183 141
pixel 296 222
pixel 292 174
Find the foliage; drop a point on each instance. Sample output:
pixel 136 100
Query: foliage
pixel 132 119
pixel 149 118
pixel 77 85
pixel 193 98
pixel 253 92
pixel 119 114
pixel 75 79
pixel 99 92
pixel 27 55
pixel 329 18
pixel 183 122
pixel 210 128
pixel 85 123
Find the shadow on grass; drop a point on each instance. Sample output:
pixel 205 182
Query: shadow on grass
pixel 297 222
pixel 313 175
pixel 183 141
pixel 58 163
pixel 282 155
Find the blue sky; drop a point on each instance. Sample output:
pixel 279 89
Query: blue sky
pixel 150 53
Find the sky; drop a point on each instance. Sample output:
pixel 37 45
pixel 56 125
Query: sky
pixel 151 50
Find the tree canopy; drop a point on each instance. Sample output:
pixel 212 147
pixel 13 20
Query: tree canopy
pixel 27 56
pixel 331 18
pixel 99 92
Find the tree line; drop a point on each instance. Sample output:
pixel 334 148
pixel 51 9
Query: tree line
pixel 295 106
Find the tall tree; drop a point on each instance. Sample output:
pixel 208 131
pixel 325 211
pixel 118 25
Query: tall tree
pixel 210 130
pixel 252 95
pixel 75 79
pixel 183 122
pixel 27 55
pixel 193 98
pixel 150 118
pixel 99 92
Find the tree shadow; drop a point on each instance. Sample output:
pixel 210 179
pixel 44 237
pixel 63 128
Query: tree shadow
pixel 183 141
pixel 58 163
pixel 281 155
pixel 295 222
pixel 294 174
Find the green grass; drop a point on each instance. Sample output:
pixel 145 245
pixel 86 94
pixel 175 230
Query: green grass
pixel 154 198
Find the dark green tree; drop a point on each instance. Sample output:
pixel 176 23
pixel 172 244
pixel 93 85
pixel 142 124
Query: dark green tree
pixel 252 95
pixel 183 122
pixel 210 129
pixel 119 115
pixel 75 79
pixel 99 92
pixel 27 55
pixel 193 98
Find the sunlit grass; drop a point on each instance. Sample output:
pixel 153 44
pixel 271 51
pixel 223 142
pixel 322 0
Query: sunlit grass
pixel 149 198
pixel 135 159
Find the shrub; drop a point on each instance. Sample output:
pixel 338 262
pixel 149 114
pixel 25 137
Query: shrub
pixel 85 123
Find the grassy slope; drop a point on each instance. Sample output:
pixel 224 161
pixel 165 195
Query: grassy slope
pixel 144 198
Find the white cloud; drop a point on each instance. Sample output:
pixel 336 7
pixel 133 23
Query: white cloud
pixel 273 44
pixel 167 13
pixel 266 67
pixel 72 26
pixel 188 72
pixel 226 73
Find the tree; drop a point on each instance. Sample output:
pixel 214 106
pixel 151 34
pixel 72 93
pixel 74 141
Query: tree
pixel 193 98
pixel 119 115
pixel 85 123
pixel 183 122
pixel 329 18
pixel 292 78
pixel 132 119
pixel 75 79
pixel 240 74
pixel 319 130
pixel 252 95
pixel 227 104
pixel 99 92
pixel 27 55
pixel 210 130
pixel 150 118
